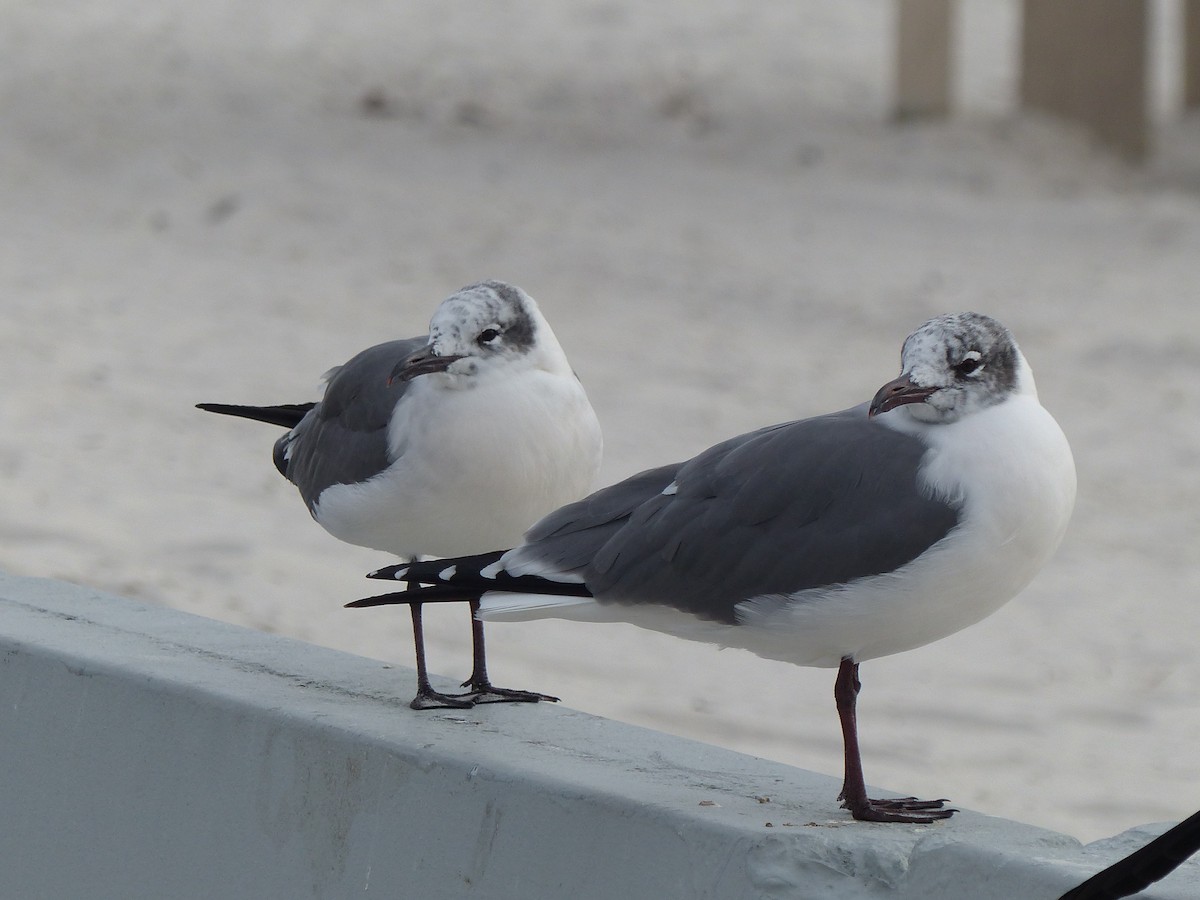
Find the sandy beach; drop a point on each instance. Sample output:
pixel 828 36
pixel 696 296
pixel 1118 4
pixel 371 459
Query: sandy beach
pixel 218 203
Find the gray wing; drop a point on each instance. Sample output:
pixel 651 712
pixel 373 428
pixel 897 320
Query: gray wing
pixel 343 438
pixel 802 505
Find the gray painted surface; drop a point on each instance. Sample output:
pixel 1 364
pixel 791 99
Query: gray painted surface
pixel 149 753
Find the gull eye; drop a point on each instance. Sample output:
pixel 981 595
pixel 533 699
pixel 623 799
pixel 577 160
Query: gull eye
pixel 488 335
pixel 971 363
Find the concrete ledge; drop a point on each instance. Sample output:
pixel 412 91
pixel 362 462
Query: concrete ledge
pixel 150 753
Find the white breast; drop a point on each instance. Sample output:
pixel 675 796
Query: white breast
pixel 1013 470
pixel 474 468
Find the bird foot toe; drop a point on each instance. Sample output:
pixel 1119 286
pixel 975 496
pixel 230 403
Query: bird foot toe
pixel 437 700
pixel 904 809
pixel 488 693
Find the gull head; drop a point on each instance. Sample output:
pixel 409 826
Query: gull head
pixel 482 330
pixel 955 365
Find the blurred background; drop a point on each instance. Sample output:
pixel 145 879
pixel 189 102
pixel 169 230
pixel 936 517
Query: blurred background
pixel 726 227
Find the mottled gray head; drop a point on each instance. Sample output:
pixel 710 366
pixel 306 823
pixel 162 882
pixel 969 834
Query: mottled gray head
pixel 483 327
pixel 955 365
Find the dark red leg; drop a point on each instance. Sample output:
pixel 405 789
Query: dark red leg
pixel 854 788
pixel 481 688
pixel 427 697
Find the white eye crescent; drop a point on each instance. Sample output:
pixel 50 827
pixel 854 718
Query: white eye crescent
pixel 971 363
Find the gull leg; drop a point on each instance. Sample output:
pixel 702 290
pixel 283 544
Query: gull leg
pixel 481 688
pixel 427 697
pixel 854 789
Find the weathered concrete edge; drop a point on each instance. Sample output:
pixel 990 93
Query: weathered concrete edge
pixel 153 753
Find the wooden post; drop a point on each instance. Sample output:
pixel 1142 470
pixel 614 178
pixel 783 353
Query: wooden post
pixel 923 51
pixel 1086 60
pixel 1191 54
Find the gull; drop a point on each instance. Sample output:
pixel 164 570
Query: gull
pixel 822 542
pixel 445 444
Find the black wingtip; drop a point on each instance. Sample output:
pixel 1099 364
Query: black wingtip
pixel 388 572
pixel 436 593
pixel 381 600
pixel 285 415
pixel 1143 867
